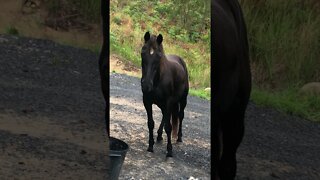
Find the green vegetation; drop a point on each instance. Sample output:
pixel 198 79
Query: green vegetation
pixel 12 30
pixel 89 8
pixel 289 101
pixel 200 93
pixel 185 27
pixel 284 41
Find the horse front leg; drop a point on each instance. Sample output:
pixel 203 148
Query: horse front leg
pixel 148 107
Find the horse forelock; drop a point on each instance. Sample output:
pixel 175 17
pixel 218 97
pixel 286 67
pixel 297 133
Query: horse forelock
pixel 152 43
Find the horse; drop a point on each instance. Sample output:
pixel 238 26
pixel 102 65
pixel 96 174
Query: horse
pixel 164 82
pixel 103 62
pixel 231 78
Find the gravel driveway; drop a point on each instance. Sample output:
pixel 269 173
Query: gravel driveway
pixel 51 112
pixel 129 122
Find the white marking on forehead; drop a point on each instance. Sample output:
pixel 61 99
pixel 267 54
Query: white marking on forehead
pixel 151 51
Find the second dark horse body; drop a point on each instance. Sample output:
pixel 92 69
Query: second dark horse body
pixel 165 83
pixel 231 85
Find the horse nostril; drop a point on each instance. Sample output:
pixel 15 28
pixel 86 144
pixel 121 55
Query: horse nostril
pixel 146 88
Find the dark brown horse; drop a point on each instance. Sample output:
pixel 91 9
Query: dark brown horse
pixel 231 84
pixel 165 83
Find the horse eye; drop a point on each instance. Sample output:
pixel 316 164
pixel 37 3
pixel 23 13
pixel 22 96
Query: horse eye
pixel 144 49
pixel 159 54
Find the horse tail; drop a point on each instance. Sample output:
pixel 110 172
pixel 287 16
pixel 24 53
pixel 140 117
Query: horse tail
pixel 175 120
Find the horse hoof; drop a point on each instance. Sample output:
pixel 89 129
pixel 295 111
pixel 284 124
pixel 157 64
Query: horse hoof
pixel 169 160
pixel 179 140
pixel 159 139
pixel 150 149
pixel 169 155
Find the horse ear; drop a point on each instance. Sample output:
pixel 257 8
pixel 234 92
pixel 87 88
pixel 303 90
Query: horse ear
pixel 159 39
pixel 146 36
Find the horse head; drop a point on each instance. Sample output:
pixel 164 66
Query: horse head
pixel 151 55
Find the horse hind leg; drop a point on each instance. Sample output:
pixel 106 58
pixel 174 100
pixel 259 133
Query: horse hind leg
pixel 182 104
pixel 160 131
pixel 175 120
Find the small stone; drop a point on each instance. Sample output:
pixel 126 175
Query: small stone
pixel 274 175
pixel 312 88
pixel 83 152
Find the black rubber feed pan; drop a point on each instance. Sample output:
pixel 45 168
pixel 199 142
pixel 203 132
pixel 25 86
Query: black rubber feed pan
pixel 117 153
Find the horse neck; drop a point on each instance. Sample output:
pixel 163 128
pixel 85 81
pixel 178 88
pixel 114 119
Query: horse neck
pixel 163 64
pixel 164 57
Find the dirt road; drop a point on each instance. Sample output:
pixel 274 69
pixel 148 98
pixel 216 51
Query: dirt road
pixel 128 122
pixel 51 112
pixel 275 146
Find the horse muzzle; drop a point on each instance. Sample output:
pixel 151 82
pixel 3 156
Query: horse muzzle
pixel 146 87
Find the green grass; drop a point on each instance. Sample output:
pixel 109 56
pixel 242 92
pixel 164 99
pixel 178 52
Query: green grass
pixel 12 30
pixel 289 101
pixel 125 50
pixel 284 41
pixel 200 93
pixel 130 20
pixel 284 38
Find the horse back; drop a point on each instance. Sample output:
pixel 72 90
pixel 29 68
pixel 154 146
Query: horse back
pixel 178 69
pixel 173 80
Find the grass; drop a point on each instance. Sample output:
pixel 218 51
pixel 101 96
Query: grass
pixel 284 46
pixel 200 93
pixel 289 101
pixel 128 23
pixel 284 41
pixel 12 30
